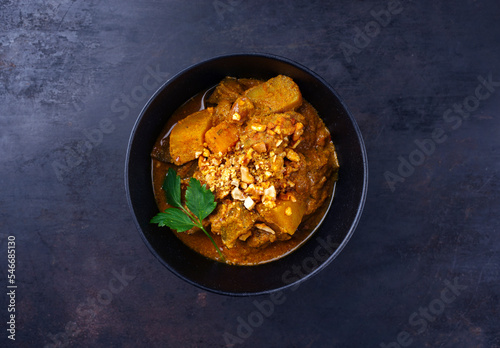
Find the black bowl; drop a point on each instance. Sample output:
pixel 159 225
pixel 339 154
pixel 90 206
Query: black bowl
pixel 319 250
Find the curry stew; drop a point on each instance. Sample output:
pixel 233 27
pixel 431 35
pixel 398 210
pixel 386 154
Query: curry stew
pixel 264 153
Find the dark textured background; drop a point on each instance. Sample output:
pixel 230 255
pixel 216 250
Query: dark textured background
pixel 84 276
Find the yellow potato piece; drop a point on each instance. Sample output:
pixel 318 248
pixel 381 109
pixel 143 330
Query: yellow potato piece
pixel 278 94
pixel 188 135
pixel 287 215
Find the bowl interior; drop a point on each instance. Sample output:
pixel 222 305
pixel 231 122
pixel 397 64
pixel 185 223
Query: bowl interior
pixel 318 250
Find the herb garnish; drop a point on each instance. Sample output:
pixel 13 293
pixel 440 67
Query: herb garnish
pixel 200 202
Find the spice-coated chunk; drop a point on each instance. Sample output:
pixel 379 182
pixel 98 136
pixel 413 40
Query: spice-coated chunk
pixel 278 94
pixel 232 220
pixel 241 110
pixel 228 89
pixel 221 137
pixel 187 136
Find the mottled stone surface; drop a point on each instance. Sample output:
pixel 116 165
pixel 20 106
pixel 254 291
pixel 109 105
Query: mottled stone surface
pixel 423 267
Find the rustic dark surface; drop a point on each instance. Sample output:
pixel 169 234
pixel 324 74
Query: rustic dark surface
pixel 423 267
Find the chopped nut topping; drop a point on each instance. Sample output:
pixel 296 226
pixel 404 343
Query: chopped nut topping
pixel 269 204
pixel 237 194
pixel 260 147
pixel 254 170
pixel 235 182
pixel 292 155
pixel 288 211
pixel 264 227
pixel 245 175
pixel 258 127
pixel 216 162
pixel 296 143
pixel 249 203
pixel 254 190
pixel 270 193
pixel 245 236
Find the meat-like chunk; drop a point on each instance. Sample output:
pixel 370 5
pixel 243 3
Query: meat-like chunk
pixel 232 220
pixel 228 89
pixel 261 238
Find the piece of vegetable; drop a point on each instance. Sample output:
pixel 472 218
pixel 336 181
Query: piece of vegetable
pixel 200 202
pixel 188 135
pixel 221 137
pixel 278 94
pixel 285 216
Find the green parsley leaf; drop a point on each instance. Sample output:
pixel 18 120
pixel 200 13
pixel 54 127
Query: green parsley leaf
pixel 199 199
pixel 174 218
pixel 172 187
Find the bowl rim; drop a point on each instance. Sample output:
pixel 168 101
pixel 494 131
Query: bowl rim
pixel 363 193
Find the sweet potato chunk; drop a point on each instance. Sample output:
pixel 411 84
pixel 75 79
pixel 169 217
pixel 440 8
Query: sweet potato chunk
pixel 188 135
pixel 286 216
pixel 221 137
pixel 278 94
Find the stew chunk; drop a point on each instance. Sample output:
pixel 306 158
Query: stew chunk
pixel 221 137
pixel 231 221
pixel 278 94
pixel 188 135
pixel 285 216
